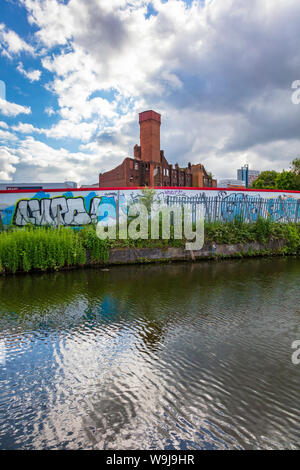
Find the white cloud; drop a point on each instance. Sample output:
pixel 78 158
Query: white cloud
pixel 6 136
pixel 3 125
pixel 8 162
pixel 32 75
pixel 211 71
pixel 49 111
pixel 67 129
pixel 48 164
pixel 53 20
pixel 64 129
pixel 11 44
pixel 32 159
pixel 12 109
pixel 25 128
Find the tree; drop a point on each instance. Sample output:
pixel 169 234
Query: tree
pixel 287 180
pixel 266 180
pixel 296 166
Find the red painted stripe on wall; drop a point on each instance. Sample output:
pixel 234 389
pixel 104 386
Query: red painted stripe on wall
pixel 161 188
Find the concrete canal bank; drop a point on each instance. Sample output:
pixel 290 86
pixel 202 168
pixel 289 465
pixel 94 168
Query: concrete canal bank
pixel 48 249
pixel 210 251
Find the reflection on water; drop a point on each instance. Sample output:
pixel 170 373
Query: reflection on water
pixel 182 356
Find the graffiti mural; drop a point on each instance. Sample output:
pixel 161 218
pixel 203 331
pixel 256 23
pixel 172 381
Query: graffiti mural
pixel 77 208
pixel 47 211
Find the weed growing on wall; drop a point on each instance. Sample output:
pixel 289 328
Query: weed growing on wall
pixel 262 231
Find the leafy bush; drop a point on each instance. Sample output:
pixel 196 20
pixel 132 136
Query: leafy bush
pixel 40 248
pixel 263 229
pixel 237 231
pixel 98 249
pixel 293 238
pixel 46 248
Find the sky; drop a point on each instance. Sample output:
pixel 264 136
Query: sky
pixel 75 74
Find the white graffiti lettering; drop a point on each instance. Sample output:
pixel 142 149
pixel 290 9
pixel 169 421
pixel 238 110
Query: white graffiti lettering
pixel 56 211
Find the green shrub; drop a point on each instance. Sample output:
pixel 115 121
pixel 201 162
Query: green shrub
pixel 98 249
pixel 293 238
pixel 40 248
pixel 263 229
pixel 47 248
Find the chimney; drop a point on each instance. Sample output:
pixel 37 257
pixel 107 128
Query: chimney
pixel 137 152
pixel 150 136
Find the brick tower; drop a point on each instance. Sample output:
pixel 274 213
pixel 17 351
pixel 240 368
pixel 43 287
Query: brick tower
pixel 150 136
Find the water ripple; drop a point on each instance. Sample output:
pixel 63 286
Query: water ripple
pixel 151 357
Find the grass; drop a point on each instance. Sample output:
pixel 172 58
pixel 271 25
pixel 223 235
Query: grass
pixel 40 248
pixel 47 248
pixel 262 231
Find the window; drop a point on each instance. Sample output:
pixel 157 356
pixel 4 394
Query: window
pixel 136 166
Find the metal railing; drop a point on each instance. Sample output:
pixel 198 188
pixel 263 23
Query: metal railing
pixel 248 209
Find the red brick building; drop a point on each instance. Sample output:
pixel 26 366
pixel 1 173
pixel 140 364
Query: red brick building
pixel 149 166
pixel 202 179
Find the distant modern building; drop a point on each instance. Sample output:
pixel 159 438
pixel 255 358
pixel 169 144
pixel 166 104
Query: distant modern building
pixel 247 175
pixel 10 185
pixel 231 183
pixel 149 166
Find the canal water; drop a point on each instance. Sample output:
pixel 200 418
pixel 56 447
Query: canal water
pixel 181 356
